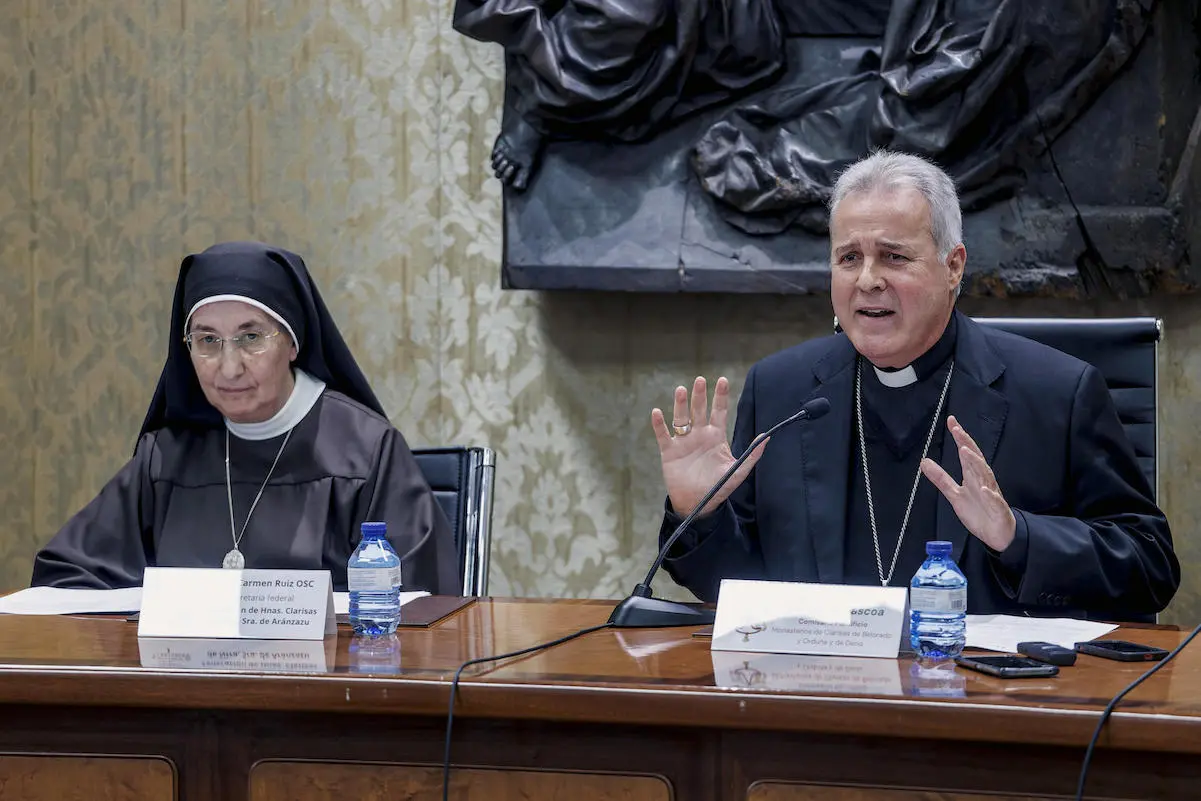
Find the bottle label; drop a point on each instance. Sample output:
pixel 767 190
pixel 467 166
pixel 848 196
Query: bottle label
pixel 938 600
pixel 373 579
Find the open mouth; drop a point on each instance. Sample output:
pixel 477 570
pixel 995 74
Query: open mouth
pixel 875 313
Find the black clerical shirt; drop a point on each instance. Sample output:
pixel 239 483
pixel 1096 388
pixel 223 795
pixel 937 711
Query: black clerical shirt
pixel 896 423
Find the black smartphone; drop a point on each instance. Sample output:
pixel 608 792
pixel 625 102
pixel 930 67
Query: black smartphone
pixel 1048 652
pixel 1008 667
pixel 1121 650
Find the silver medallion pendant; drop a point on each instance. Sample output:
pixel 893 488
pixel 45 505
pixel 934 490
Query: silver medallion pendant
pixel 234 560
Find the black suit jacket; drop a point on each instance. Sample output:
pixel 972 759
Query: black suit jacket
pixel 1090 539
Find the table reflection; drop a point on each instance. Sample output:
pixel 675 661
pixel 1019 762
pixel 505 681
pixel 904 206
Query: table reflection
pixel 936 679
pixel 247 656
pixel 806 674
pixel 375 654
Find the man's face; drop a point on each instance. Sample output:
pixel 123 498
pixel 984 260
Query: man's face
pixel 892 293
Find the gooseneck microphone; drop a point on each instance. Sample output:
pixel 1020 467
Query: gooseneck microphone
pixel 641 610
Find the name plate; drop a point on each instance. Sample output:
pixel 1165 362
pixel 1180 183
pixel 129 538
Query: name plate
pixel 781 617
pixel 216 603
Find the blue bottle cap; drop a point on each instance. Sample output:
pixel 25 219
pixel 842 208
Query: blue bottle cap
pixel 373 530
pixel 938 548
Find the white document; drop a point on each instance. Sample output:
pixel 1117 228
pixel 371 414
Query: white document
pixel 1004 632
pixel 58 601
pixel 784 617
pixel 342 600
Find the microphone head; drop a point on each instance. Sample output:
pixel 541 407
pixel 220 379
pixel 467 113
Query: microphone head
pixel 816 408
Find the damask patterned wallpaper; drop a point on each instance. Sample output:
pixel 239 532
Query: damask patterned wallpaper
pixel 357 134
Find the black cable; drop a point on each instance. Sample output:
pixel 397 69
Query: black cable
pixel 454 687
pixel 1088 755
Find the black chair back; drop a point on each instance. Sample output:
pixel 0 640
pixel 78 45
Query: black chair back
pixel 462 480
pixel 1124 351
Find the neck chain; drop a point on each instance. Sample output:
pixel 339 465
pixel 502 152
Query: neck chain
pixel 867 479
pixel 234 560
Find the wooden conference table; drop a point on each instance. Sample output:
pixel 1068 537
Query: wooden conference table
pixel 88 712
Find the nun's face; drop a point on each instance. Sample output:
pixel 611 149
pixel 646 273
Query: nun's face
pixel 244 386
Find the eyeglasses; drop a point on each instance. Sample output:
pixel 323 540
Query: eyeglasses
pixel 250 343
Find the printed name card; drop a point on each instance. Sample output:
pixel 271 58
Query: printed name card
pixel 217 603
pixel 781 617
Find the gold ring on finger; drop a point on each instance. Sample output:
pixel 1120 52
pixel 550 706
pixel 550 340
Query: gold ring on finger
pixel 681 429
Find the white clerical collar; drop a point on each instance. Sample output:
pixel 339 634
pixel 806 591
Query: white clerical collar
pixel 896 378
pixel 305 392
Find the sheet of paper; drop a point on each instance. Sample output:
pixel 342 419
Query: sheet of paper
pixel 58 601
pixel 1004 632
pixel 342 600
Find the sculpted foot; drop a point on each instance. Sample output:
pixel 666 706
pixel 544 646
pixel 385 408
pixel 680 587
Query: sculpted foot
pixel 516 152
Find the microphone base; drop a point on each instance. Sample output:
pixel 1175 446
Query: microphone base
pixel 645 613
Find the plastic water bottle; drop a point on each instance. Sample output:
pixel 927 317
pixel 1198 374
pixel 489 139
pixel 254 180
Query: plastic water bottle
pixel 373 578
pixel 938 605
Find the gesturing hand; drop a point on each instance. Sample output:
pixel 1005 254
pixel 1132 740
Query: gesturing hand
pixel 698 454
pixel 977 502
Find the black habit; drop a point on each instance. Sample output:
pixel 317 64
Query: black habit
pixel 344 462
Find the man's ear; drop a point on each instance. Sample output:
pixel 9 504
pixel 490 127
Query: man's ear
pixel 956 262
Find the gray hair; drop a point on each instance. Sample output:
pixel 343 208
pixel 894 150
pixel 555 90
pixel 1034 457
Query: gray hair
pixel 884 170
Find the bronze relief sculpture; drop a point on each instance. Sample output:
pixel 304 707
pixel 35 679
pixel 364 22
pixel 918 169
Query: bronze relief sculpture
pixel 722 124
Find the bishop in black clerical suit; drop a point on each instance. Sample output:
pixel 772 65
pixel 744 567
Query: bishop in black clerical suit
pixel 938 429
pixel 263 447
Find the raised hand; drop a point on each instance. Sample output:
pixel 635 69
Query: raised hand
pixel 977 502
pixel 694 451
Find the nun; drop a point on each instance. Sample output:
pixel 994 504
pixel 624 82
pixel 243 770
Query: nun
pixel 263 447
